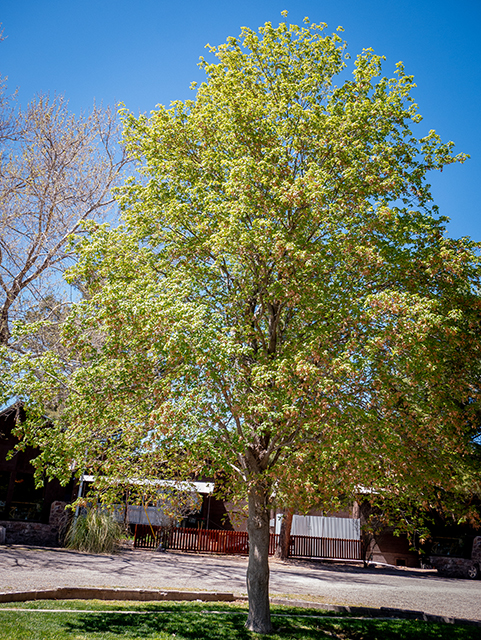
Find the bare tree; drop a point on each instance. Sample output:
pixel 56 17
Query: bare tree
pixel 56 170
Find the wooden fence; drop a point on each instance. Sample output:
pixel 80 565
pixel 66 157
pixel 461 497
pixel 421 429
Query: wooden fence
pixel 307 547
pixel 237 543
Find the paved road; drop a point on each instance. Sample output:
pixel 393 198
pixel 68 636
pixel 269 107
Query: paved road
pixel 24 568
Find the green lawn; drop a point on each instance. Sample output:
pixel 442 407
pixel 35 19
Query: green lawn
pixel 201 621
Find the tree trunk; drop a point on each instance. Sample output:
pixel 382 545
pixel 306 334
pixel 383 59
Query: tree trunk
pixel 259 619
pixel 282 549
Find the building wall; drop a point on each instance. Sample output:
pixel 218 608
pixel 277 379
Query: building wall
pixel 390 549
pixel 22 505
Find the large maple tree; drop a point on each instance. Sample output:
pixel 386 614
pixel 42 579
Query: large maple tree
pixel 281 302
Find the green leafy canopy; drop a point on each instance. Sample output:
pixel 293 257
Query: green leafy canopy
pixel 280 302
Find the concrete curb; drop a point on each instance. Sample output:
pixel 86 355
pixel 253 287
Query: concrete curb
pixel 98 593
pixel 371 612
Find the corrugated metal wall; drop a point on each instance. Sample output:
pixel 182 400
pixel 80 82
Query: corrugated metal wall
pixel 323 527
pixel 136 515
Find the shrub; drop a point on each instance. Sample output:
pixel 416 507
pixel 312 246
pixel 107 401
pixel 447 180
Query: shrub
pixel 94 532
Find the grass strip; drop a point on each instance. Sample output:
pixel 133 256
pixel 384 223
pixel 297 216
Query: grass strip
pixel 101 620
pixel 130 612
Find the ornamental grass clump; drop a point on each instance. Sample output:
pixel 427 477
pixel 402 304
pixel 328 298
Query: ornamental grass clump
pixel 94 532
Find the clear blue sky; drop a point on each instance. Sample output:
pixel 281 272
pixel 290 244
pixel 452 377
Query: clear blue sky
pixel 145 52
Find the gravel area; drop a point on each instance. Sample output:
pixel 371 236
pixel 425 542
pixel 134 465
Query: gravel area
pixel 25 568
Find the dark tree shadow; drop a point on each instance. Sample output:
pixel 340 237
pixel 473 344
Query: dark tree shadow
pixel 204 625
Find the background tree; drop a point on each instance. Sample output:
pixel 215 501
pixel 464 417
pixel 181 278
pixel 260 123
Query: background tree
pixel 281 303
pixel 56 170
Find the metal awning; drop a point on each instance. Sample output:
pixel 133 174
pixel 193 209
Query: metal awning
pixel 200 487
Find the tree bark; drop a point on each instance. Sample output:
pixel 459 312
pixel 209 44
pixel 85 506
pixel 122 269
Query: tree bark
pixel 282 549
pixel 259 618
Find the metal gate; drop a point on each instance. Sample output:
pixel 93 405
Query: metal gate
pixel 237 543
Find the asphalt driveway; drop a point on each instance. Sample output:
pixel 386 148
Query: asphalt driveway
pixel 30 568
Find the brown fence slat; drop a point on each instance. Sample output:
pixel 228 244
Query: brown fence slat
pixel 308 547
pixel 237 543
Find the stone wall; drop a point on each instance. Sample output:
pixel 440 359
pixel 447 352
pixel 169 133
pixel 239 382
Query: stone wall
pixel 36 533
pixel 476 552
pixel 458 567
pixel 451 567
pixel 30 533
pixel 58 516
